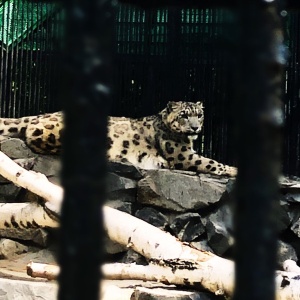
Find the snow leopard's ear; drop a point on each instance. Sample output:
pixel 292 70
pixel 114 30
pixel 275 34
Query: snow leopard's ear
pixel 200 104
pixel 172 105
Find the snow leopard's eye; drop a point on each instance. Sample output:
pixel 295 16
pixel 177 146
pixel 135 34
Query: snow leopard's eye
pixel 184 116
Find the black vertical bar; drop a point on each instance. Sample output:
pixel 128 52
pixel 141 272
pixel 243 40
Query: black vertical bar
pixel 87 95
pixel 259 141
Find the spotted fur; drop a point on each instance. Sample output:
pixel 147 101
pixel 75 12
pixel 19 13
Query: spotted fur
pixel 164 140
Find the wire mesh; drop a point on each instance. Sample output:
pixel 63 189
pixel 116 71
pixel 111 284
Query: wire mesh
pixel 162 54
pixel 291 149
pixel 29 44
pixel 180 56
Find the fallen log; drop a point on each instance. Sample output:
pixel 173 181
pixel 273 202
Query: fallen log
pixel 171 272
pixel 24 216
pixel 35 182
pixel 40 270
pixel 166 271
pixel 291 266
pixel 177 259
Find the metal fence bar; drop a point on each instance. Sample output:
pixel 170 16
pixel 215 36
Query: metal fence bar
pixel 87 95
pixel 259 142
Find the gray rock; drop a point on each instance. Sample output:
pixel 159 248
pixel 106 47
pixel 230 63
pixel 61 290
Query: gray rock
pixel 120 205
pixel 193 230
pixel 28 196
pixel 121 188
pixel 296 228
pixel 9 193
pixel 142 293
pixel 10 249
pixel 111 247
pixel 285 251
pixel 133 257
pixel 40 237
pixel 37 235
pixel 179 191
pixel 217 226
pixel 153 217
pixel 293 197
pixel 55 180
pixel 48 165
pixel 188 226
pixel 285 215
pixel 290 189
pixel 124 170
pixel 16 148
pixel 27 290
pixel 202 245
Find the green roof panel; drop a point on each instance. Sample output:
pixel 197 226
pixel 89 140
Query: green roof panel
pixel 20 18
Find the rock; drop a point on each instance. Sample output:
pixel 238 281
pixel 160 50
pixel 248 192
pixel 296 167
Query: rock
pixel 153 217
pixel 16 148
pixel 296 228
pixel 179 191
pixel 113 292
pixel 142 293
pixel 112 247
pixel 133 257
pixel 124 170
pixel 290 189
pixel 202 245
pixel 121 188
pixel 45 256
pixel 9 193
pixel 188 226
pixel 48 165
pixel 41 237
pixel 27 290
pixel 230 186
pixel 284 215
pixel 37 235
pixel 10 249
pixel 31 197
pixel 26 163
pixel 285 251
pixel 121 205
pixel 293 197
pixel 217 226
pixel 193 230
pixel 294 213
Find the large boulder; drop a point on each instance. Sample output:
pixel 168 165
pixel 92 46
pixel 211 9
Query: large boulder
pixel 179 191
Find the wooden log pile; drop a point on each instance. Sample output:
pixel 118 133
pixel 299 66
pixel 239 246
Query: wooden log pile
pixel 169 259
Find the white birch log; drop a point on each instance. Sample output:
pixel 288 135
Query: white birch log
pixel 32 181
pixel 24 216
pixel 40 270
pixel 287 283
pixel 291 266
pixel 214 273
pixel 168 271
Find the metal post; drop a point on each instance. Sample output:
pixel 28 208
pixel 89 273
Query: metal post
pixel 87 95
pixel 259 141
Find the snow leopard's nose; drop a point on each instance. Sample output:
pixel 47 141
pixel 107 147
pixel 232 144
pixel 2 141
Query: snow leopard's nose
pixel 195 128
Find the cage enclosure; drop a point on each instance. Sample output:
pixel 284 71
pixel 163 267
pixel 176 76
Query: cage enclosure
pixel 161 55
